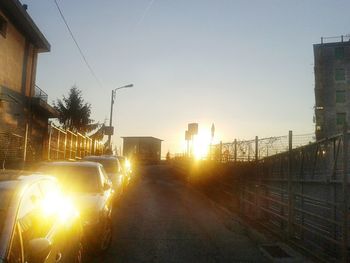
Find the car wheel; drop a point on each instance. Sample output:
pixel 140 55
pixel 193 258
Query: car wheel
pixel 106 235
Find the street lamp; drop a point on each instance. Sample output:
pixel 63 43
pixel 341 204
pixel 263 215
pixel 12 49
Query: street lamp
pixel 114 91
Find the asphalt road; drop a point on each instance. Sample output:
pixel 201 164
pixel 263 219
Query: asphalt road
pixel 161 219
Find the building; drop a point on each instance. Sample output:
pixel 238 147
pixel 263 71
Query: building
pixel 23 106
pixel 332 87
pixel 142 149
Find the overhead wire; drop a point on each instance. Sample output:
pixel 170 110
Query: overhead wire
pixel 145 12
pixel 77 45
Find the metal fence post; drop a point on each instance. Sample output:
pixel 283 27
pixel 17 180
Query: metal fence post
pixel 65 145
pixel 345 195
pixel 256 148
pixel 235 150
pixel 49 144
pixel 290 187
pixel 25 144
pixel 257 185
pixel 220 152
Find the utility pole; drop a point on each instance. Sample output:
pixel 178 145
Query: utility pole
pixel 111 130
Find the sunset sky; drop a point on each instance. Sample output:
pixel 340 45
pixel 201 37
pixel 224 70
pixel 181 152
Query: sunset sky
pixel 246 66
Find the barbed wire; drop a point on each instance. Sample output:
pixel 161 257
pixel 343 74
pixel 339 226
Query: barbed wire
pixel 246 149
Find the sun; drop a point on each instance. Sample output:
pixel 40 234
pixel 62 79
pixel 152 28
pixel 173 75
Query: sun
pixel 201 144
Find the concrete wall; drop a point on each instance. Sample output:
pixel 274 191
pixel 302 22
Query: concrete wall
pixel 17 70
pixel 18 59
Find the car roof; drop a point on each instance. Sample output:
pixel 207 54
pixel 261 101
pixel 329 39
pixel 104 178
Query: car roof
pixel 102 157
pixel 20 176
pixel 75 164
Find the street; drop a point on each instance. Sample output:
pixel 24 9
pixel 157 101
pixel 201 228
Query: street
pixel 161 219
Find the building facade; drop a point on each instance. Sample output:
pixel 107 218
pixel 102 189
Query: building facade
pixel 24 111
pixel 332 87
pixel 142 149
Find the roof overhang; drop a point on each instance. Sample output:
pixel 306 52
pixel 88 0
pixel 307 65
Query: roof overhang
pixel 141 137
pixel 14 10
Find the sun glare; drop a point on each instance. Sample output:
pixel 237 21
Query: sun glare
pixel 201 144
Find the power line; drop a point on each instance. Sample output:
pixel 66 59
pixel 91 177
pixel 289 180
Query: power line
pixel 145 12
pixel 76 43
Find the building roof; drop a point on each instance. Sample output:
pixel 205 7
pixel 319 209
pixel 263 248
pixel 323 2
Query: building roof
pixel 14 10
pixel 141 137
pixel 72 164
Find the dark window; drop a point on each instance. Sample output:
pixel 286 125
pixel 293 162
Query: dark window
pixel 3 26
pixel 340 74
pixel 339 52
pixel 340 96
pixel 341 118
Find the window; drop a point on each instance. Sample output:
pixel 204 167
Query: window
pixel 340 74
pixel 319 108
pixel 341 118
pixel 339 52
pixel 318 128
pixel 15 254
pixel 3 26
pixel 340 96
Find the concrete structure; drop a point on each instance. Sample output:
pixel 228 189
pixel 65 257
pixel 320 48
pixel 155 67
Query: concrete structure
pixel 23 106
pixel 142 149
pixel 332 87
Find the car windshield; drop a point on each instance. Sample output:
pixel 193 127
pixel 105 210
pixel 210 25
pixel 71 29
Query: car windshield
pixel 75 178
pixel 110 166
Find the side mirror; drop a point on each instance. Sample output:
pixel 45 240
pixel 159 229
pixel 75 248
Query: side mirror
pixel 39 250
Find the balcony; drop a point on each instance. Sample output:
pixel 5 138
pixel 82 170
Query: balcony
pixel 39 93
pixel 40 104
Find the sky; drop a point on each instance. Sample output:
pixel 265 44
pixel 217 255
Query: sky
pixel 246 66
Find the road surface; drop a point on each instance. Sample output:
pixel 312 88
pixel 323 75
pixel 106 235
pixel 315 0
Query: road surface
pixel 161 219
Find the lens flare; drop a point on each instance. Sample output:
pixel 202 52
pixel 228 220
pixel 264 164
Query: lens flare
pixel 127 165
pixel 201 144
pixel 56 204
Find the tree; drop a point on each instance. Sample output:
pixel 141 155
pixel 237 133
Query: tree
pixel 74 113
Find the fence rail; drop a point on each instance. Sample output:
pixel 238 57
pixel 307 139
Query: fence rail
pixel 66 145
pixel 291 185
pixel 250 150
pixel 301 195
pixel 18 148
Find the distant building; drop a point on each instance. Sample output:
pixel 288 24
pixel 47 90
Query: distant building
pixel 23 106
pixel 143 149
pixel 332 87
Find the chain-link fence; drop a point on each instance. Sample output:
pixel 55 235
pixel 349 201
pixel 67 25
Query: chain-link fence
pixel 12 145
pixel 249 150
pixel 19 147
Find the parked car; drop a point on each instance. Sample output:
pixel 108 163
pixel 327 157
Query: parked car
pixel 93 194
pixel 126 164
pixel 114 170
pixel 34 227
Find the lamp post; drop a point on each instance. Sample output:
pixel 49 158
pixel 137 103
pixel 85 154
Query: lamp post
pixel 111 114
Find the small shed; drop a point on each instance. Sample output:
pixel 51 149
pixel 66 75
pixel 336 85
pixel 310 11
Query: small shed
pixel 143 149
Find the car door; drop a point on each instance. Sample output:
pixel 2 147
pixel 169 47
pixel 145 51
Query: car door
pixel 107 193
pixel 56 231
pixel 33 225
